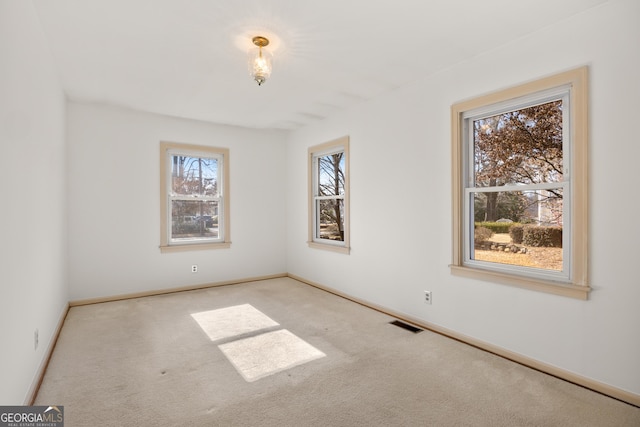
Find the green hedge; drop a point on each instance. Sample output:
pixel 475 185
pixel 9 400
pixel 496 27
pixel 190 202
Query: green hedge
pixel 497 227
pixel 542 236
pixel 185 228
pixel 516 232
pixel 482 234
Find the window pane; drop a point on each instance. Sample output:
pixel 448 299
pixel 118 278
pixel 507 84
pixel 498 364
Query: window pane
pixel 194 175
pixel 522 146
pixel 525 228
pixel 331 223
pixel 331 175
pixel 194 219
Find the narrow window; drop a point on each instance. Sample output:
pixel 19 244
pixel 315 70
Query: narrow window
pixel 194 197
pixel 520 185
pixel 329 195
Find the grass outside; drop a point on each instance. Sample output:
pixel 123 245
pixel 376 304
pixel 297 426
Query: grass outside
pixel 545 258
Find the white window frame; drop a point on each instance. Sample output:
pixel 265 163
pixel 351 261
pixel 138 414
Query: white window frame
pixel 314 153
pixel 167 151
pixel 571 87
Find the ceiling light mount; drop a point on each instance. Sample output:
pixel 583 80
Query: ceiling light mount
pixel 260 60
pixel 260 41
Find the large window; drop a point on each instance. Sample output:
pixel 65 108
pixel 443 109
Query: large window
pixel 519 193
pixel 329 195
pixel 194 197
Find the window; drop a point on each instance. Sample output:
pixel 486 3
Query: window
pixel 194 197
pixel 329 195
pixel 520 185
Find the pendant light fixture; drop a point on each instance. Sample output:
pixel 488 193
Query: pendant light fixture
pixel 260 60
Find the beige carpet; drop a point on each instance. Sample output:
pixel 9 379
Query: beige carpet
pixel 151 362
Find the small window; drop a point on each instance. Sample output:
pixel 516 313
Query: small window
pixel 520 185
pixel 194 197
pixel 329 195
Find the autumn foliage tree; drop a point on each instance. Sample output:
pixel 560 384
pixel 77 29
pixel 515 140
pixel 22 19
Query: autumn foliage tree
pixel 518 147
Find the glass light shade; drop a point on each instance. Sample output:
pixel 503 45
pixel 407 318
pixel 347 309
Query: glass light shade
pixel 260 61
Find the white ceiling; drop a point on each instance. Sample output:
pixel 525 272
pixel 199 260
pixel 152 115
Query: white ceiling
pixel 187 58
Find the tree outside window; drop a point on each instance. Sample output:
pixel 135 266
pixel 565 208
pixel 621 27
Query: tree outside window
pixel 195 193
pixel 520 147
pixel 194 197
pixel 329 195
pixel 519 185
pixel 518 181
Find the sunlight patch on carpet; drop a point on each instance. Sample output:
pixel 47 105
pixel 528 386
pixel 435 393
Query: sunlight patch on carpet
pixel 232 321
pixel 268 353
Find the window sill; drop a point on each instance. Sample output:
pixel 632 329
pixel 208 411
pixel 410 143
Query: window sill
pixel 194 247
pixel 332 248
pixel 567 290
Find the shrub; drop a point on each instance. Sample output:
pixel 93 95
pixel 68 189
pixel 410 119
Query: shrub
pixel 481 234
pixel 542 236
pixel 497 227
pixel 516 232
pixel 185 228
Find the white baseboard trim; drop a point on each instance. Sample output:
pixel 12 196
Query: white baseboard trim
pixel 39 375
pixel 606 389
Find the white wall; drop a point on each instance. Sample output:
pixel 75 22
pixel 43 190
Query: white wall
pixel 33 289
pixel 401 203
pixel 114 203
pixel 399 141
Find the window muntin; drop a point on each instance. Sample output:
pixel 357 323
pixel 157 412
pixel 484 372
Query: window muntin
pixel 557 194
pixel 515 172
pixel 328 219
pixel 194 196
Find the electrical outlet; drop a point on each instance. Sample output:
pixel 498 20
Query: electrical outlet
pixel 427 297
pixel 194 268
pixel 35 339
